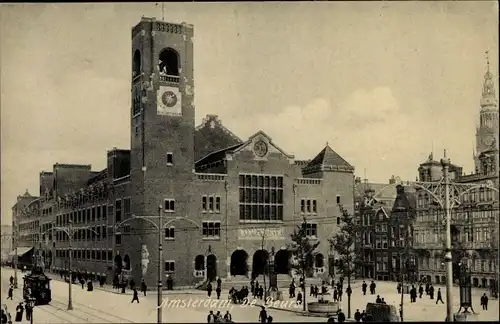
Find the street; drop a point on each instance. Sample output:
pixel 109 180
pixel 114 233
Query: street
pixel 101 306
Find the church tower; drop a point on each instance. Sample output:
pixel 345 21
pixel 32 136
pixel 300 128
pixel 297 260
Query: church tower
pixel 487 131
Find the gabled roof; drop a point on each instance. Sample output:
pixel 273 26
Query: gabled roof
pixel 328 159
pixel 217 155
pixel 261 134
pixel 27 194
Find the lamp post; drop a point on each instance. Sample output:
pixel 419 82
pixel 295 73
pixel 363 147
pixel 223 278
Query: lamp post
pixel 159 226
pixel 405 241
pixel 70 233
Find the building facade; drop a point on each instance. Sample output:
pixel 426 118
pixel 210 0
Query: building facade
pixel 475 214
pixel 225 203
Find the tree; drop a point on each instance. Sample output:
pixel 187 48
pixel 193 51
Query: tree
pixel 302 249
pixel 343 243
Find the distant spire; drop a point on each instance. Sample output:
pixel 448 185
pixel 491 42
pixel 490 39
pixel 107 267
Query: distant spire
pixel 488 85
pixel 444 153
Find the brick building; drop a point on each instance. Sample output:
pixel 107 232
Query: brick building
pixel 218 194
pixel 475 214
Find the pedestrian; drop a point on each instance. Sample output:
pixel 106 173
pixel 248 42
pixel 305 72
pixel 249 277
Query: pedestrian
pixel 211 317
pixel 5 318
pixel 372 287
pixel 11 293
pixel 378 300
pixel 269 319
pixel 219 282
pixel 291 290
pixel 420 291
pixel 299 298
pixel 357 316
pixel 82 282
pixel 427 289
pixel 340 316
pixel 383 301
pixel 136 296
pixel 209 290
pixel 218 291
pixel 399 288
pixel 484 301
pixel 431 292
pixel 228 316
pixel 348 291
pixel 124 286
pixel 363 287
pixel 262 315
pixel 19 312
pixel 11 280
pixel 29 311
pixel 144 288
pixel 340 294
pixel 439 297
pixel 335 294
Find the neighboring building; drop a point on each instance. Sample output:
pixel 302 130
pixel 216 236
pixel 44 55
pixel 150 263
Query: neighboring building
pixel 384 224
pixel 475 215
pixel 218 194
pixel 6 246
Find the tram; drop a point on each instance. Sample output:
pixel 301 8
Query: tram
pixel 37 286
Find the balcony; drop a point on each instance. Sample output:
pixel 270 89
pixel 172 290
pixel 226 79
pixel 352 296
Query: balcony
pixel 172 79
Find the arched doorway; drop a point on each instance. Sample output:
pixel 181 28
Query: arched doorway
pixel 118 264
pixel 211 267
pixel 319 260
pixel 199 265
pixel 126 262
pixel 259 263
pixel 282 262
pixel 484 283
pixel 239 263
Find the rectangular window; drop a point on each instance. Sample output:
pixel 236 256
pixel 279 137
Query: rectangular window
pixel 105 210
pixel 126 206
pixel 217 204
pixel 118 211
pixel 110 255
pixel 170 158
pixel 169 205
pixel 169 266
pixel 210 203
pixel 314 206
pixel 170 233
pixel 204 203
pixel 98 212
pixel 98 255
pixel 211 229
pixel 260 198
pixel 308 206
pixel 338 199
pixel 104 231
pixel 338 220
pixel 118 239
pixel 93 213
pixel 312 230
pixel 302 205
pixel 126 229
pixel 93 255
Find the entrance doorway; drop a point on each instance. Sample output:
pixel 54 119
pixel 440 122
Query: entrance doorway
pixel 118 264
pixel 259 264
pixel 282 262
pixel 239 265
pixel 211 267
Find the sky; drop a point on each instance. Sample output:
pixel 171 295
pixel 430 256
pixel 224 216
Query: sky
pixel 384 83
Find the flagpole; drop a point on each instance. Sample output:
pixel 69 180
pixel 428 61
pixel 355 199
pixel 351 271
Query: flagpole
pixel 162 12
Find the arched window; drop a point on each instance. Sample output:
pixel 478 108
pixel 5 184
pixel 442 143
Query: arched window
pixel 199 262
pixel 136 64
pixel 319 261
pixel 169 62
pixel 126 262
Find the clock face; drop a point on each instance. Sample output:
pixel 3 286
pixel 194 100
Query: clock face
pixel 169 99
pixel 260 148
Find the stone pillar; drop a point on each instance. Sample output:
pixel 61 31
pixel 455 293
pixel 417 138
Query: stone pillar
pixel 228 268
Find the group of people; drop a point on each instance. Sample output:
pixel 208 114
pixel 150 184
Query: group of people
pixel 218 290
pixel 218 318
pixel 429 291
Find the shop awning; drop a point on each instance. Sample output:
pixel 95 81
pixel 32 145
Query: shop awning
pixel 22 250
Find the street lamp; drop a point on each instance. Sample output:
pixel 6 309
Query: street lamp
pixel 70 233
pixel 159 227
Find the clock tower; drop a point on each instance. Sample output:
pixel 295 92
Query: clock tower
pixel 487 131
pixel 162 118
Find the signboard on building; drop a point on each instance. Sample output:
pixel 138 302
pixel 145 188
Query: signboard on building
pixel 258 233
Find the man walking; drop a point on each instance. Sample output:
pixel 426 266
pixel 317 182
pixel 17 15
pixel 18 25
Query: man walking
pixel 136 296
pixel 439 297
pixel 484 301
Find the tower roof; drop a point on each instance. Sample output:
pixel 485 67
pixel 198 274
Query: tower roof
pixel 329 159
pixel 488 95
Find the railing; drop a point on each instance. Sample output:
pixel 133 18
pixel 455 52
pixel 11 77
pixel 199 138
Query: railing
pixel 170 78
pixel 210 177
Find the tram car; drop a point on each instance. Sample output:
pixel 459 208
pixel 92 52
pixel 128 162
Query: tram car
pixel 37 287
